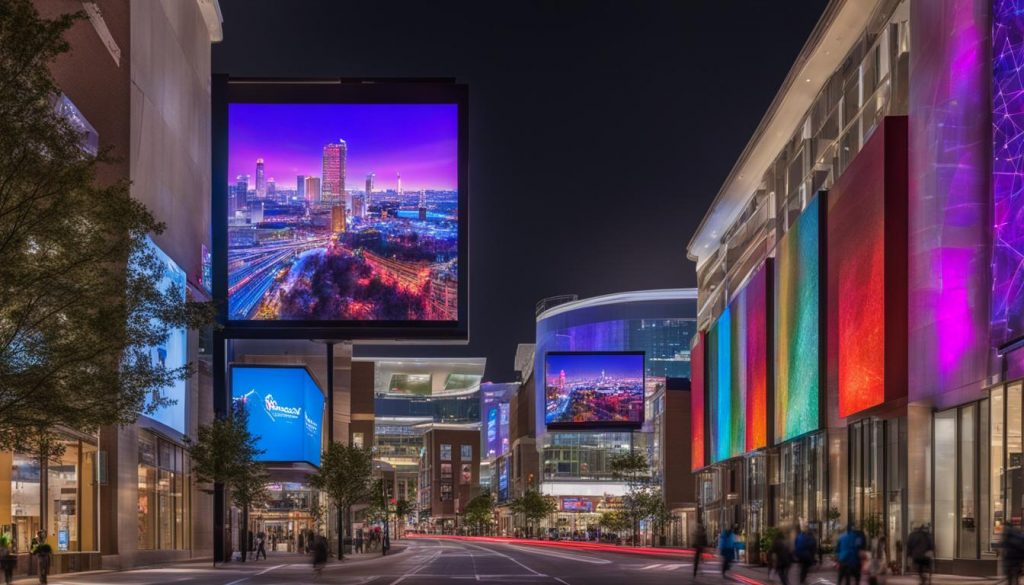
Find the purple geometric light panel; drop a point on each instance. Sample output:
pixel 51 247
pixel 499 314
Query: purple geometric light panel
pixel 1008 169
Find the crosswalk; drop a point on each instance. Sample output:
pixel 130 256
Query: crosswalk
pixel 659 567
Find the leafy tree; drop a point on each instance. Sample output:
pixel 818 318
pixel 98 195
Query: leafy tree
pixel 80 299
pixel 225 452
pixel 403 509
pixel 614 521
pixel 344 476
pixel 480 512
pixel 632 467
pixel 534 507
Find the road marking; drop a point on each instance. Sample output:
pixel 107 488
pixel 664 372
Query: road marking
pixel 551 553
pixel 414 571
pixel 507 557
pixel 649 567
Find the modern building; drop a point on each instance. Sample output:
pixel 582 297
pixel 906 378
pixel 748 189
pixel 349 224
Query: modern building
pixel 312 190
pixel 411 396
pixel 859 319
pixel 575 464
pixel 448 475
pixel 261 180
pixel 300 187
pixel 333 173
pixel 338 224
pixel 126 497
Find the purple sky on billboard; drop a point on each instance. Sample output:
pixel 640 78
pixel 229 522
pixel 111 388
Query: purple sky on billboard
pixel 420 141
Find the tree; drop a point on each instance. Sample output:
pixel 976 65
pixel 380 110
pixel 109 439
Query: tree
pixel 345 476
pixel 534 507
pixel 225 452
pixel 81 302
pixel 614 521
pixel 403 508
pixel 480 512
pixel 632 467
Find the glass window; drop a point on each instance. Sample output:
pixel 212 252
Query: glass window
pixel 997 469
pixel 945 483
pixel 162 495
pixel 26 498
pixel 466 452
pixel 446 452
pixel 1014 480
pixel 62 497
pixel 968 490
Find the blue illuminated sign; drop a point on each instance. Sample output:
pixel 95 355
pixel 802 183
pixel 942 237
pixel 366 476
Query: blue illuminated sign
pixel 286 410
pixel 172 353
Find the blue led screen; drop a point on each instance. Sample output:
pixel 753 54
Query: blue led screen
pixel 286 410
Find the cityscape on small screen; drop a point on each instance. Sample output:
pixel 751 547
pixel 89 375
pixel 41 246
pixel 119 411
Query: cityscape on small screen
pixel 343 212
pixel 590 389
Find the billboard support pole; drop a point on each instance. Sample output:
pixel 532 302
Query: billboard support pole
pixel 220 410
pixel 330 390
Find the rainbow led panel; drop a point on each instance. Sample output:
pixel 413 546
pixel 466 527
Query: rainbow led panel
pixel 1008 169
pixel 737 349
pixel 797 326
pixel 697 402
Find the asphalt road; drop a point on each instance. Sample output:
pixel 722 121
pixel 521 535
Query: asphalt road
pixel 427 561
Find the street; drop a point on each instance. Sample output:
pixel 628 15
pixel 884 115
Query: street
pixel 424 561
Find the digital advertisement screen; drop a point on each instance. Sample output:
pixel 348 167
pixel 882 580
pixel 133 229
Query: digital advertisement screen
pixel 594 389
pixel 798 315
pixel 697 402
pixel 343 212
pixel 286 410
pixel 577 505
pixel 172 353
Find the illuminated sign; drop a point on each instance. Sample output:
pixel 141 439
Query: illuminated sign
pixel 286 410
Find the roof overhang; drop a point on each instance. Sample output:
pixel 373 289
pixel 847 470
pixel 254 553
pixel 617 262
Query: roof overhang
pixel 838 30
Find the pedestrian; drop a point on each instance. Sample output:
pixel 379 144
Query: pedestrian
pixel 727 549
pixel 44 553
pixel 920 548
pixel 7 558
pixel 261 546
pixel 302 541
pixel 879 560
pixel 782 557
pixel 319 554
pixel 806 552
pixel 1012 553
pixel 700 542
pixel 848 551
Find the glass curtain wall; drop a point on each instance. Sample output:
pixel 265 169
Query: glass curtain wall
pixel 163 495
pixel 798 481
pixel 962 494
pixel 1003 484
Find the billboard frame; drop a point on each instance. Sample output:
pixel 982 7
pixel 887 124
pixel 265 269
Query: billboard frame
pixel 597 425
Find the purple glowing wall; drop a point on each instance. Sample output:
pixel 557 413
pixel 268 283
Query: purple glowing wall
pixel 1008 170
pixel 949 208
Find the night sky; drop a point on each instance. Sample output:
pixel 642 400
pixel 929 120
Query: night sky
pixel 600 131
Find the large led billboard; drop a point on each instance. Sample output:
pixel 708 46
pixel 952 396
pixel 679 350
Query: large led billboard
pixel 798 325
pixel 172 352
pixel 594 389
pixel 737 380
pixel 867 274
pixel 342 207
pixel 697 401
pixel 286 410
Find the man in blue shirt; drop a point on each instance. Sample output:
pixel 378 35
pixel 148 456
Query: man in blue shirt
pixel 848 553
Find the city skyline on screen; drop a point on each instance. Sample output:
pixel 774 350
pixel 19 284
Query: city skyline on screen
pixel 343 212
pixel 590 389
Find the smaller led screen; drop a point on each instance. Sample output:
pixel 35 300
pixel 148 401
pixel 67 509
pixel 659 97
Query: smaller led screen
pixel 577 505
pixel 594 389
pixel 286 410
pixel 697 402
pixel 172 352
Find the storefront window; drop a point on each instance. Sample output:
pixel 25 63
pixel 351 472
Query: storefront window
pixel 997 470
pixel 162 502
pixel 25 499
pixel 945 483
pixel 1014 481
pixel 968 513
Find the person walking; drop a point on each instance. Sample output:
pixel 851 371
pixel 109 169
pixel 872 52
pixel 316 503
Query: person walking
pixel 879 560
pixel 319 554
pixel 261 546
pixel 44 554
pixel 7 558
pixel 782 557
pixel 920 548
pixel 1012 553
pixel 727 549
pixel 806 552
pixel 700 542
pixel 848 552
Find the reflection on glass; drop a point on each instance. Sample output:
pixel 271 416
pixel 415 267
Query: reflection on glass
pixel 996 469
pixel 968 513
pixel 945 483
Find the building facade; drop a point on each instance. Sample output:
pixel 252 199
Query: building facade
pixel 870 218
pixel 575 464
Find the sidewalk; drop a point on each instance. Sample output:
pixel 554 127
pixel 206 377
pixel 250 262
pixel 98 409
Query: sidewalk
pixel 758 575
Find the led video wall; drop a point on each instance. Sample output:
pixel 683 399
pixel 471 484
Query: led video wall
pixel 867 276
pixel 286 410
pixel 737 377
pixel 594 389
pixel 697 402
pixel 341 206
pixel 798 325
